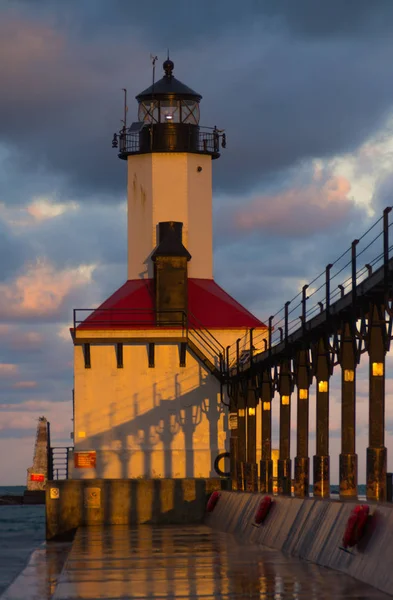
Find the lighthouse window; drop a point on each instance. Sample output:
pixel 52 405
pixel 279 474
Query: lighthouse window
pixel 170 112
pixel 190 112
pixel 148 111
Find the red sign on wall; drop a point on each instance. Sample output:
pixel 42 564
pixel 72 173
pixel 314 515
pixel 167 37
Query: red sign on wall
pixel 37 477
pixel 85 460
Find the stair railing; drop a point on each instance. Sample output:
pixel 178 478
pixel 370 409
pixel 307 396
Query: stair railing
pixel 206 342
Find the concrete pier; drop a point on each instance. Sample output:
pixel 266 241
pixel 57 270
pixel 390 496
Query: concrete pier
pixel 313 530
pixel 188 563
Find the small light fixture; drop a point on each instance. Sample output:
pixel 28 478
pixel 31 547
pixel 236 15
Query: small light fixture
pixel 377 369
pixel 251 411
pixel 168 117
pixel 242 412
pixel 233 421
pixel 81 434
pixel 285 400
pixel 303 394
pixel 266 406
pixel 349 375
pixel 323 386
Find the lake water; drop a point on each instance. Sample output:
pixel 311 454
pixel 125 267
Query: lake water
pixel 22 529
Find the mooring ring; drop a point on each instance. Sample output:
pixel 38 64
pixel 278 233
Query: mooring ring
pixel 217 468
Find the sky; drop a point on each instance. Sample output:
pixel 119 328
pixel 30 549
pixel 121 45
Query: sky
pixel 305 94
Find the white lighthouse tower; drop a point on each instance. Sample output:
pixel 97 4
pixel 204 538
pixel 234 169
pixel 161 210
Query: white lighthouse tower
pixel 149 400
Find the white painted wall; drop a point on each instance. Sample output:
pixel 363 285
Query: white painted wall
pixel 165 421
pixel 169 187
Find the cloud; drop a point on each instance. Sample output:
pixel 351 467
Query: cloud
pixel 65 80
pixel 28 406
pixel 8 370
pixel 42 209
pixel 25 385
pixel 41 291
pixel 284 96
pixel 300 210
pixel 25 416
pixel 25 340
pixel 64 332
pixel 303 95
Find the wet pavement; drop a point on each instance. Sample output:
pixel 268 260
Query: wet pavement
pixel 39 578
pixel 181 562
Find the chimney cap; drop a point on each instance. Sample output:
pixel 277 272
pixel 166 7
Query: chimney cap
pixel 170 244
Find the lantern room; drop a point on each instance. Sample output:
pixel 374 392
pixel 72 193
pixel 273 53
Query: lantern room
pixel 169 101
pixel 168 121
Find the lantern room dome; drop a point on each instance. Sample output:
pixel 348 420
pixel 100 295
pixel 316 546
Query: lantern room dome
pixel 168 100
pixel 169 87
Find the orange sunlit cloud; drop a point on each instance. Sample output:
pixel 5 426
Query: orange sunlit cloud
pixel 8 370
pixel 314 206
pixel 42 209
pixel 41 290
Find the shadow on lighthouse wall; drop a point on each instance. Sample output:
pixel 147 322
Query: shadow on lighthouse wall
pixel 170 427
pixel 156 434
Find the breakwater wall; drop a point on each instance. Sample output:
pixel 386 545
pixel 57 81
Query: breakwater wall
pixel 73 503
pixel 313 530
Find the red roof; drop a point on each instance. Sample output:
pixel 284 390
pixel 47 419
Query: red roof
pixel 132 305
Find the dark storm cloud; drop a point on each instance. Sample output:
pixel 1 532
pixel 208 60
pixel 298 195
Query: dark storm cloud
pixel 287 81
pixel 262 271
pixel 334 18
pixel 173 19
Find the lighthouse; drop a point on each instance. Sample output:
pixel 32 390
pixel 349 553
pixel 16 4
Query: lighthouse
pixel 149 398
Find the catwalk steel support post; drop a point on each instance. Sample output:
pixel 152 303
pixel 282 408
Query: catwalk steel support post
pixel 285 388
pixel 376 451
pixel 348 357
pixel 302 461
pixel 321 462
pixel 234 439
pixel 266 464
pixel 241 436
pixel 251 472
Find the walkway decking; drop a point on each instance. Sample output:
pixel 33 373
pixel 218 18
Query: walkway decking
pixel 186 563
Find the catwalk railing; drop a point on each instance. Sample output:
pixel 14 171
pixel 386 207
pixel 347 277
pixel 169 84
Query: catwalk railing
pixel 200 141
pixel 339 287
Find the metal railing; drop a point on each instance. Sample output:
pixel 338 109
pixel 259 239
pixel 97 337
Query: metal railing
pixel 206 142
pixel 206 341
pixel 190 327
pixel 58 462
pixel 324 290
pixel 88 318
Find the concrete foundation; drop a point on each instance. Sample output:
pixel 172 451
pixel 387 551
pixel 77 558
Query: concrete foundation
pixel 74 503
pixel 34 497
pixel 313 530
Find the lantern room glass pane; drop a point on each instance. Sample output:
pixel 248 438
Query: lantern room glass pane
pixel 148 111
pixel 170 111
pixel 190 112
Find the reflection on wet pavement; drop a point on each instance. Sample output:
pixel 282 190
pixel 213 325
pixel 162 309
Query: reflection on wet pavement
pixel 38 580
pixel 192 562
